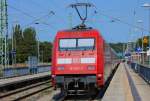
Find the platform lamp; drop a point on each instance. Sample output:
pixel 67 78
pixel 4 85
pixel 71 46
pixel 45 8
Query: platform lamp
pixel 141 25
pixel 147 5
pixel 38 45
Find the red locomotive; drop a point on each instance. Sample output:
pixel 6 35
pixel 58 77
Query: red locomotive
pixel 82 61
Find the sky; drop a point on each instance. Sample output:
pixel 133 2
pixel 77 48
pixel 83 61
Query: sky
pixel 115 19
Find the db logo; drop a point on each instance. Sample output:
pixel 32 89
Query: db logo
pixel 76 60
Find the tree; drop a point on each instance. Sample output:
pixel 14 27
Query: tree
pixel 18 41
pixel 29 46
pixel 25 43
pixel 45 51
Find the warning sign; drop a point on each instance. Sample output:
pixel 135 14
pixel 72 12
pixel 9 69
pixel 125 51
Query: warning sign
pixel 145 40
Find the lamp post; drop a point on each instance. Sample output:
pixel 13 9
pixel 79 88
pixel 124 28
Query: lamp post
pixel 141 25
pixel 38 46
pixel 13 43
pixel 147 5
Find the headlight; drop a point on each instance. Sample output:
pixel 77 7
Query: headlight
pixel 91 67
pixel 99 75
pixel 53 76
pixel 60 68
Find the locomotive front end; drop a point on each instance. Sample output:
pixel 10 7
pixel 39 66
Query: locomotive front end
pixel 75 62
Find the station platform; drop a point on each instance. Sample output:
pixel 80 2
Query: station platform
pixel 8 81
pixel 126 85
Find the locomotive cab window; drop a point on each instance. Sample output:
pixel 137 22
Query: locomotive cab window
pixel 77 44
pixel 86 44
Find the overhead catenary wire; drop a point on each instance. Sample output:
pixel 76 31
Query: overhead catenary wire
pixel 24 13
pixel 101 13
pixel 30 16
pixel 60 17
pixel 115 19
pixel 37 4
pixel 120 20
pixel 41 22
pixel 37 20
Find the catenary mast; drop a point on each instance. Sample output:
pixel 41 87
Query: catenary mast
pixel 4 54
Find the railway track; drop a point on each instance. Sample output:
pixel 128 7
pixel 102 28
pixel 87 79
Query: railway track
pixel 97 97
pixel 78 99
pixel 25 92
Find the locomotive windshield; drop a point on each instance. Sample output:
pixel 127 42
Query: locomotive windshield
pixel 67 43
pixel 76 44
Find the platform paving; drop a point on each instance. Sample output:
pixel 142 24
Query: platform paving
pixel 119 88
pixel 127 85
pixel 8 81
pixel 142 87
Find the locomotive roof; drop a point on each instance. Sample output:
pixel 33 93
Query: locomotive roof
pixel 73 30
pixel 79 30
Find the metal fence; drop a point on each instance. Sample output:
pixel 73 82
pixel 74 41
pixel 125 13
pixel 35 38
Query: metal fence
pixel 143 71
pixel 12 72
